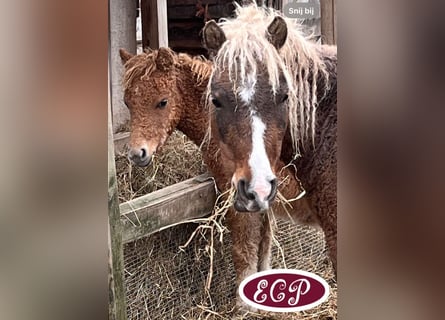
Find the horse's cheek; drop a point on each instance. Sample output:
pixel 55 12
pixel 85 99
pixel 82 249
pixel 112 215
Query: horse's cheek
pixel 222 126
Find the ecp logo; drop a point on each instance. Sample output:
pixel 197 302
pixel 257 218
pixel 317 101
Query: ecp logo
pixel 284 290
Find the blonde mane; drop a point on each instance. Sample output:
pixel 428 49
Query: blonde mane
pixel 143 65
pixel 299 60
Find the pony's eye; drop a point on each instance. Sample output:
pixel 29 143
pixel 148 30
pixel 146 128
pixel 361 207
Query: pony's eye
pixel 162 104
pixel 216 103
pixel 285 97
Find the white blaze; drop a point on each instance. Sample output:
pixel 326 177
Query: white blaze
pixel 247 91
pixel 259 162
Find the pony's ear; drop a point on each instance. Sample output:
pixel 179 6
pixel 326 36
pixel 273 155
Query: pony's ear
pixel 277 32
pixel 165 59
pixel 213 36
pixel 125 55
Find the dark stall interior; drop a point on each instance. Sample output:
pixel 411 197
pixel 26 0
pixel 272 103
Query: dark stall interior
pixel 186 18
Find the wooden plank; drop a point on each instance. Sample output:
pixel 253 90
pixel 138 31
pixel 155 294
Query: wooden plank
pixel 189 12
pixel 191 199
pixel 162 23
pixel 154 23
pixel 149 23
pixel 185 24
pixel 334 12
pixel 172 3
pixel 183 12
pixel 327 21
pixel 117 305
pixel 186 43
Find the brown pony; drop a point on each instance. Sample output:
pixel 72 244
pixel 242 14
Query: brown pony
pixel 164 91
pixel 274 96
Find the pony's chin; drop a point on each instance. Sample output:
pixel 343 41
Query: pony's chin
pixel 142 164
pixel 249 206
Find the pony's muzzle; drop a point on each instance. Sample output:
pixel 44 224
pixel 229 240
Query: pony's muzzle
pixel 247 200
pixel 139 156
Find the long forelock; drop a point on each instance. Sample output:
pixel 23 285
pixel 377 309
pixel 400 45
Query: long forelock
pixel 299 60
pixel 246 51
pixel 140 67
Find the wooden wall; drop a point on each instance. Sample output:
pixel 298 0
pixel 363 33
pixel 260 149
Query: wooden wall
pixel 185 20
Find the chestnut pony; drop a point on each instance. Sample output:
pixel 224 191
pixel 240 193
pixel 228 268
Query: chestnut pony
pixel 164 91
pixel 273 96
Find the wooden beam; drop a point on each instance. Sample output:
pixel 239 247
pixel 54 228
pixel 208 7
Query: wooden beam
pixel 154 23
pixel 335 21
pixel 117 306
pixel 327 21
pixel 179 203
pixel 172 3
pixel 162 23
pixel 186 43
pixel 149 39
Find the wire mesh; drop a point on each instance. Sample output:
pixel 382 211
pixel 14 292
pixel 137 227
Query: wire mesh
pixel 166 282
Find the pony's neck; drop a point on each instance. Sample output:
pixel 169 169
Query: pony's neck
pixel 194 123
pixel 194 117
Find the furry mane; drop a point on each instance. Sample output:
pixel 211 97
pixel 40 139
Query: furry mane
pixel 299 60
pixel 143 65
pixel 200 67
pixel 139 66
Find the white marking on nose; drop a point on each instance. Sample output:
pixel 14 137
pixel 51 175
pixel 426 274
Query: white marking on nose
pixel 247 91
pixel 259 162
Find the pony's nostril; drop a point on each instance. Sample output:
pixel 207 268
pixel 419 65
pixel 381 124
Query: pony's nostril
pixel 243 191
pixel 249 194
pixel 143 153
pixel 273 191
pixel 139 156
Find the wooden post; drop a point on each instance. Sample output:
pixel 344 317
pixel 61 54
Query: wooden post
pixel 335 21
pixel 327 8
pixel 117 305
pixel 149 25
pixel 154 23
pixel 122 28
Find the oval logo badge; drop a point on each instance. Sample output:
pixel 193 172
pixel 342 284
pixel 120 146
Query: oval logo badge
pixel 284 290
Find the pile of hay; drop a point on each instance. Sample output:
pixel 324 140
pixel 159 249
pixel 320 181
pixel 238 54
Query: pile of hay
pixel 165 280
pixel 178 160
